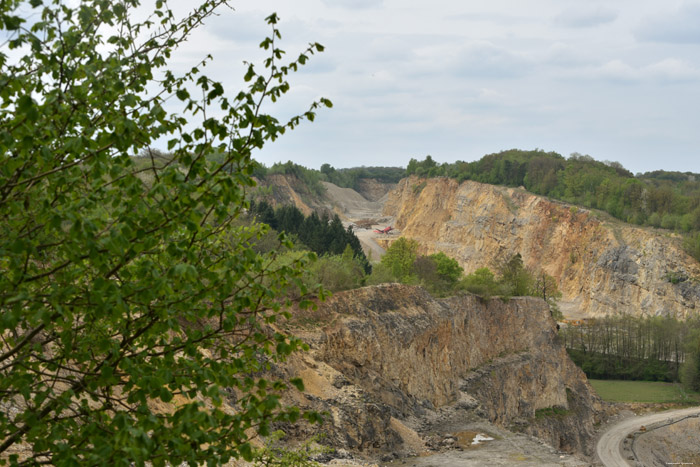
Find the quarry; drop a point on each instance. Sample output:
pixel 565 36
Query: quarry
pixel 167 298
pixel 403 374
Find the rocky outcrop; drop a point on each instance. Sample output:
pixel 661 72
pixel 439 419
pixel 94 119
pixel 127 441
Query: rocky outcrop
pixel 540 396
pixel 382 356
pixel 602 265
pixel 282 189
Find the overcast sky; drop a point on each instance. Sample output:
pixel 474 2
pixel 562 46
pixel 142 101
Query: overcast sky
pixel 617 79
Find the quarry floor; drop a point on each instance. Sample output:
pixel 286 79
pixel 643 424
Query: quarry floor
pixel 450 435
pixel 355 210
pixel 507 449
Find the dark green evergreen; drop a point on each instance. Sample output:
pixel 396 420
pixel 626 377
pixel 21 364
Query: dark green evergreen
pixel 324 235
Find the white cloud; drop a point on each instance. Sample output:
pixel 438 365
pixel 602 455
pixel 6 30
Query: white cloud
pixel 672 70
pixel 680 26
pixel 386 49
pixel 565 55
pixel 354 4
pixel 666 71
pixel 586 16
pixel 462 79
pixel 490 95
pixel 615 71
pixel 486 59
pixel 245 26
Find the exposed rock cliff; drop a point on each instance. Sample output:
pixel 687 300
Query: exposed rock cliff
pixel 383 357
pixel 602 266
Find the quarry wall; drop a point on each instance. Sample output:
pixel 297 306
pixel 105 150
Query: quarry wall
pixel 386 354
pixel 602 265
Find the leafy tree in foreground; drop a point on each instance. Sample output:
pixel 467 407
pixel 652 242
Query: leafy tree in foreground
pixel 131 311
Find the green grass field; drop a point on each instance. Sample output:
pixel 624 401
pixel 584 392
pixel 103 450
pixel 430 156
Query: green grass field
pixel 643 391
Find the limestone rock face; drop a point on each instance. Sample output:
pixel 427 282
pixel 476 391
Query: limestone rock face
pixel 394 353
pixel 602 265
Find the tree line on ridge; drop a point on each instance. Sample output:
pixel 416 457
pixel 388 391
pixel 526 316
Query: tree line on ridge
pixel 669 200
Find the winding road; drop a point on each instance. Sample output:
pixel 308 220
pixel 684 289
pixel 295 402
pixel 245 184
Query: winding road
pixel 608 449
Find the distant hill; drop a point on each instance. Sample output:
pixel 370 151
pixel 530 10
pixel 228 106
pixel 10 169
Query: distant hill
pixel 662 199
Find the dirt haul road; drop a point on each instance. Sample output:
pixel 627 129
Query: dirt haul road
pixel 369 245
pixel 609 449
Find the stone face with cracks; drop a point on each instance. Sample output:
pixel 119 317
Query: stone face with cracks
pixel 382 356
pixel 601 265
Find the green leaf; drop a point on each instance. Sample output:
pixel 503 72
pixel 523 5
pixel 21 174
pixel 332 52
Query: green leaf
pixel 246 451
pixel 298 383
pixel 250 74
pixel 12 23
pixel 165 395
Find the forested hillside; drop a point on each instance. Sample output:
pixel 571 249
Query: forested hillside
pixel 669 200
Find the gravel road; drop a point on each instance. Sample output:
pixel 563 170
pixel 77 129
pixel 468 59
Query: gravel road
pixel 609 445
pixel 366 238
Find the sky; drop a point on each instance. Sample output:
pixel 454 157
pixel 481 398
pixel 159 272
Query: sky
pixel 618 80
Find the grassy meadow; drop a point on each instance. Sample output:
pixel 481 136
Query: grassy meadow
pixel 643 391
